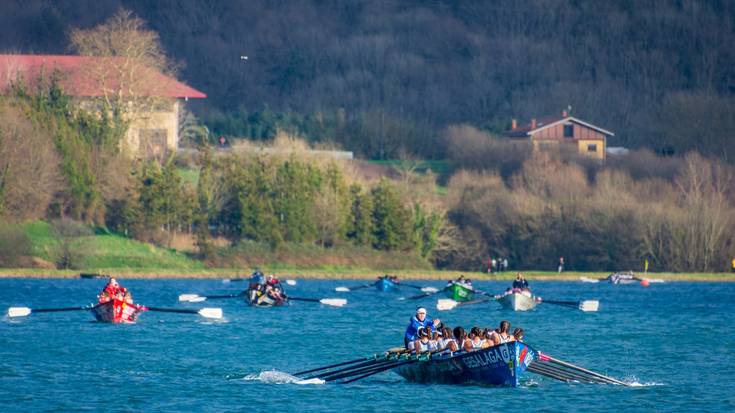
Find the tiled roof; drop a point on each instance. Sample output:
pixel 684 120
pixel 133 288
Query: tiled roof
pixel 522 131
pixel 86 76
pixel 541 123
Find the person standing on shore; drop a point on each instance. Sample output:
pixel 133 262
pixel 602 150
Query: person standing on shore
pixel 561 264
pixel 733 265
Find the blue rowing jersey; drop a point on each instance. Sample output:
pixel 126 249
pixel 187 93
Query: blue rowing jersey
pixel 413 327
pixel 257 278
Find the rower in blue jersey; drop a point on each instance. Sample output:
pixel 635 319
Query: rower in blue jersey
pixel 417 321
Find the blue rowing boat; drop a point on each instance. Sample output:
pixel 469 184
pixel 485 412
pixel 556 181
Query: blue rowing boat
pixel 385 284
pixel 501 365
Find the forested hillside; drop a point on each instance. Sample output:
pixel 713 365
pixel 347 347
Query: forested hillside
pixel 382 77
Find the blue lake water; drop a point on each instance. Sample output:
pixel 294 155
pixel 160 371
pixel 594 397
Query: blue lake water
pixel 677 340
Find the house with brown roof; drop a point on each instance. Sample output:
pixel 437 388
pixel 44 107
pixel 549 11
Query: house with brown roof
pixel 563 132
pixel 153 132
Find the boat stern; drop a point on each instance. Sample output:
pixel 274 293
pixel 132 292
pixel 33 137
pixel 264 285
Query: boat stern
pixel 458 292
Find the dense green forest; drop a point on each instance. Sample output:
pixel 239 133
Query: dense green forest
pixel 385 77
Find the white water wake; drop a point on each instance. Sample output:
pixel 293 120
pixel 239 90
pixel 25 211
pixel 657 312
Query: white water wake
pixel 635 382
pixel 279 377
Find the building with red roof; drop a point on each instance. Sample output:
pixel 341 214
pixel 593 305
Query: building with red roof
pixel 563 132
pixel 152 133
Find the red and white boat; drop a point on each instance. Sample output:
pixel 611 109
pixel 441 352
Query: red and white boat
pixel 117 311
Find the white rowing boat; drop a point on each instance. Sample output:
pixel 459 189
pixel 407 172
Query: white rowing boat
pixel 517 302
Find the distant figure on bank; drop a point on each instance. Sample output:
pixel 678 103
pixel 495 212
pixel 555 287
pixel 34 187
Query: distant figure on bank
pixel 505 264
pixel 733 265
pixel 561 264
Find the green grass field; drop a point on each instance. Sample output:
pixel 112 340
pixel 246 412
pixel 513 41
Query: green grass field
pixel 106 253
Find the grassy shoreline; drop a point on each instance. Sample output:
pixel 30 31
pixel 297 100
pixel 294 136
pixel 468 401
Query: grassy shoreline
pixel 342 274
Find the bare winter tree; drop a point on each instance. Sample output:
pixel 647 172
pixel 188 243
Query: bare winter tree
pixel 129 64
pixel 29 167
pixel 704 186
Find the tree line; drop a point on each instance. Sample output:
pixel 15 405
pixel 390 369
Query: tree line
pixel 677 213
pixel 378 78
pixel 62 161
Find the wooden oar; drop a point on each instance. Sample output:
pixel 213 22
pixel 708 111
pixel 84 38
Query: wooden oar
pixel 374 357
pixel 353 370
pixel 204 312
pixel 586 305
pixel 418 287
pixel 335 365
pixel 410 358
pixel 539 369
pixel 546 357
pixel 195 298
pixel 446 304
pixel 356 375
pixel 334 302
pixel 379 370
pixel 554 371
pixel 348 289
pixel 425 294
pixel 25 311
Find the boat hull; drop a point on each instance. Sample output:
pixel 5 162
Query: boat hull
pixel 458 292
pixel 256 298
pixel 116 312
pixel 384 284
pixel 517 302
pixel 501 365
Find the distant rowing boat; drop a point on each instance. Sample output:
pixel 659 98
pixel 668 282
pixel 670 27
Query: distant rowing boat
pixel 385 284
pixel 116 312
pixel 257 298
pixel 517 302
pixel 92 275
pixel 459 292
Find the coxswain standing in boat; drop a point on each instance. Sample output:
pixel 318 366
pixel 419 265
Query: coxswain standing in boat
pixel 520 282
pixel 418 321
pixel 112 290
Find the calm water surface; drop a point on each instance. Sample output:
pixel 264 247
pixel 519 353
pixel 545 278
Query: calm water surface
pixel 677 340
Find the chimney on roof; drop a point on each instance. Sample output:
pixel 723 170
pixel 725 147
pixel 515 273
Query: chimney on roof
pixel 564 114
pixel 514 124
pixel 533 123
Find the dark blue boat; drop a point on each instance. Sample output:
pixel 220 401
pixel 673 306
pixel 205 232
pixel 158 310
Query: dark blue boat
pixel 385 284
pixel 501 365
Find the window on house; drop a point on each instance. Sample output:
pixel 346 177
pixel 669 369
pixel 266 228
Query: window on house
pixel 592 147
pixel 569 130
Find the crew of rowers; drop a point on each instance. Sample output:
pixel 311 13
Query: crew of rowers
pixel 265 289
pixel 392 278
pixel 424 334
pixel 114 291
pixel 520 285
pixel 465 282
